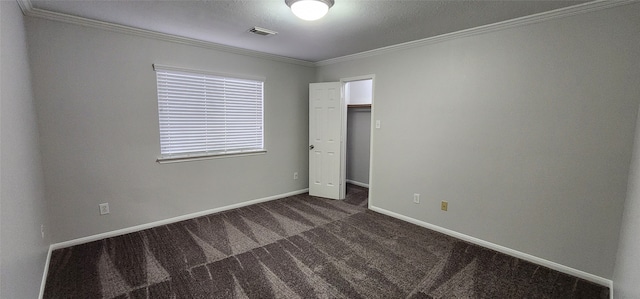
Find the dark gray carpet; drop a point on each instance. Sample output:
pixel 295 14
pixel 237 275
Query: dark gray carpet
pixel 300 247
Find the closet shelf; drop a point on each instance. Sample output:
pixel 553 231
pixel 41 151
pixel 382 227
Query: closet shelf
pixel 359 106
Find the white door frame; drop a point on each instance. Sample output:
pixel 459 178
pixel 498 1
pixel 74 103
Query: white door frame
pixel 343 169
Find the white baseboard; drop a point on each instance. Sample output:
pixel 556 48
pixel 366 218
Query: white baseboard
pixel 549 264
pixel 610 289
pixel 44 275
pixel 508 251
pixel 358 183
pixel 137 228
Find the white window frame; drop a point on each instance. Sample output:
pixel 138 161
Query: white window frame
pixel 208 133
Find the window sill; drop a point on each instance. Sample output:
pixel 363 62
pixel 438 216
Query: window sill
pixel 177 159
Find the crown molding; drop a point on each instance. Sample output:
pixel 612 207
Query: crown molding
pixel 526 20
pixel 25 5
pixel 29 10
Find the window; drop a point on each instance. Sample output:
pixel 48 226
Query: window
pixel 204 115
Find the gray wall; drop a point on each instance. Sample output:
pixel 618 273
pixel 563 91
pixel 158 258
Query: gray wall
pixel 22 200
pixel 359 92
pixel 358 143
pixel 96 100
pixel 527 132
pixel 627 274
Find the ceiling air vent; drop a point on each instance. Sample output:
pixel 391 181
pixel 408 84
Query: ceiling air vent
pixel 262 31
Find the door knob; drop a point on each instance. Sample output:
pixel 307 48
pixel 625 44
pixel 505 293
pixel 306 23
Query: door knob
pixel 311 147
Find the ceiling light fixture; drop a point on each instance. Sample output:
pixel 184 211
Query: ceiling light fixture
pixel 309 10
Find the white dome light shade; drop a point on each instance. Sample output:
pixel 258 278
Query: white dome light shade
pixel 309 10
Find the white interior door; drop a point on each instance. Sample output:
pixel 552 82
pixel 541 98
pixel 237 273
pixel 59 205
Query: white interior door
pixel 326 130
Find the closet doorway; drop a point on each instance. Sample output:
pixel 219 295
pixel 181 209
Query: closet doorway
pixel 358 94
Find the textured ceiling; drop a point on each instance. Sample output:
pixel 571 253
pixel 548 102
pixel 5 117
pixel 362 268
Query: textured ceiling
pixel 350 27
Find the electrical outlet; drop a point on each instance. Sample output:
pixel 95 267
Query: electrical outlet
pixel 444 205
pixel 416 198
pixel 295 175
pixel 42 230
pixel 104 208
pixel 377 124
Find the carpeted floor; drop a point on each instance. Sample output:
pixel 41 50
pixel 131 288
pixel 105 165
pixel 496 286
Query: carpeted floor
pixel 300 247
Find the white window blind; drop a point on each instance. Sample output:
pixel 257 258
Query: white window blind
pixel 202 114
